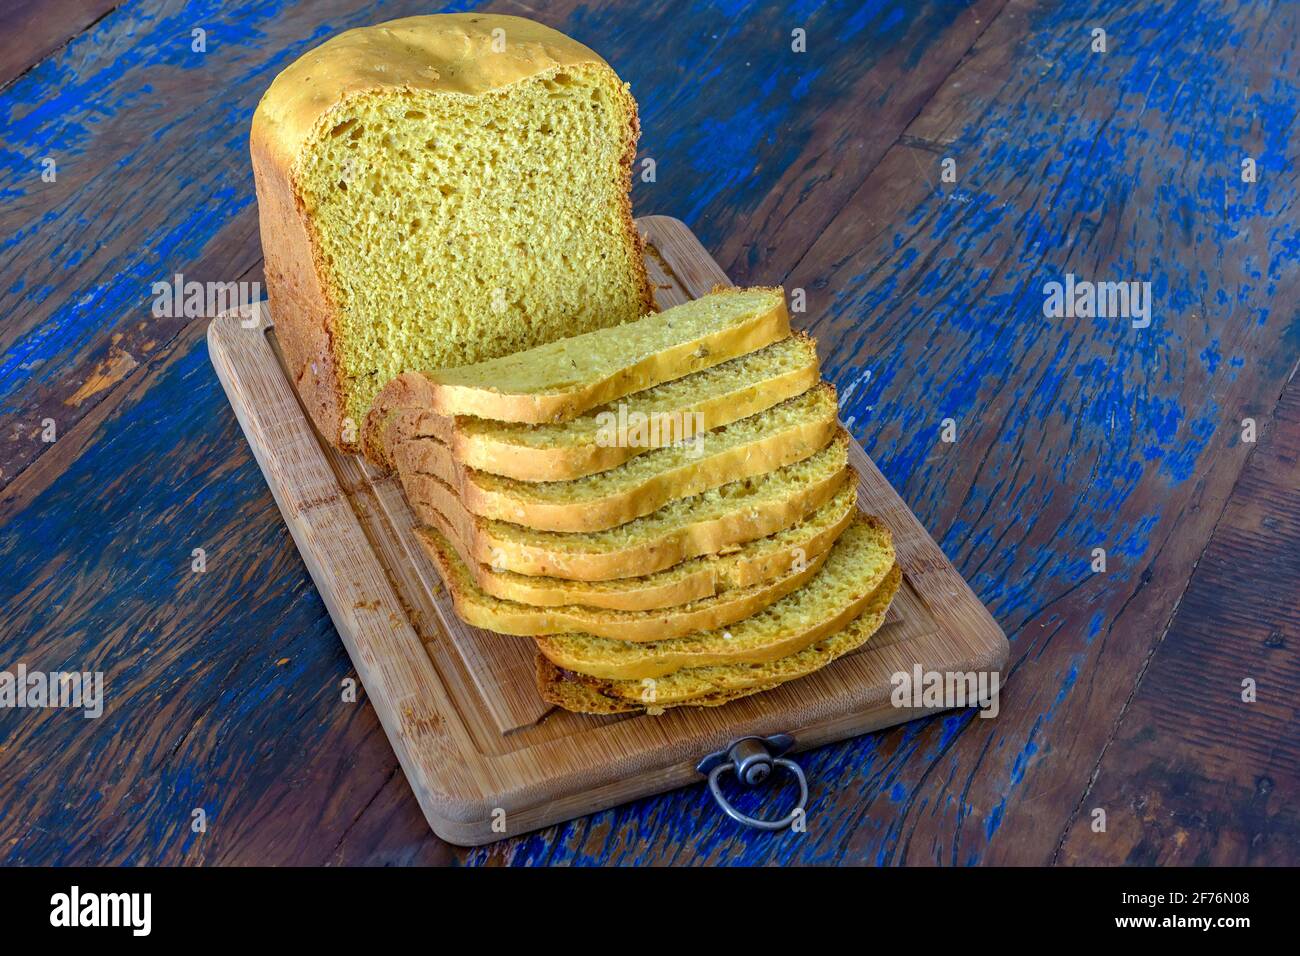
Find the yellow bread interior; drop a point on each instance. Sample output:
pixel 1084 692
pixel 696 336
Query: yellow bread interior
pixel 777 436
pixel 832 597
pixel 463 201
pixel 688 527
pixel 653 418
pixel 817 406
pixel 720 395
pixel 563 378
pixel 475 606
pixel 715 685
pixel 751 563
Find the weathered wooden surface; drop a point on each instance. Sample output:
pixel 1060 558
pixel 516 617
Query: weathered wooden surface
pixel 1196 773
pixel 806 168
pixel 30 30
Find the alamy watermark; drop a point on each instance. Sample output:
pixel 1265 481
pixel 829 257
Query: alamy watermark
pixel 1083 299
pixel 625 428
pixel 78 908
pixel 946 689
pixel 38 690
pixel 179 299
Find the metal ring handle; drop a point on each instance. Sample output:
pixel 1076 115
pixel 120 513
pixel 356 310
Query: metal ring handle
pixel 754 822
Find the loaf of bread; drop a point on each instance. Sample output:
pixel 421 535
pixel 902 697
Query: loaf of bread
pixel 686 528
pixel 715 685
pixel 562 451
pixel 440 190
pixel 753 562
pixel 459 291
pixel 777 436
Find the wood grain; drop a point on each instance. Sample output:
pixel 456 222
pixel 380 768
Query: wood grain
pixel 30 30
pixel 1072 434
pixel 1194 774
pixel 151 464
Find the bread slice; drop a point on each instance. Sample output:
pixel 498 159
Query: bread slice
pixel 436 191
pixel 562 379
pixel 562 451
pixel 475 606
pixel 754 562
pixel 716 685
pixel 686 528
pixel 786 433
pixel 833 596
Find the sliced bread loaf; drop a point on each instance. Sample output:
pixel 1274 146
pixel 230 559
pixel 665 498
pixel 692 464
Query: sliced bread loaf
pixel 652 418
pixel 686 528
pixel 562 379
pixel 436 191
pixel 477 607
pixel 754 562
pixel 833 596
pixel 778 436
pixel 715 685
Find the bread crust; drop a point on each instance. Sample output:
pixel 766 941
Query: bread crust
pixel 430 456
pixel 703 582
pixel 302 307
pixel 397 413
pixel 429 496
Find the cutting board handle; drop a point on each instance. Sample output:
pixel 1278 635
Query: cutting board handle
pixel 753 759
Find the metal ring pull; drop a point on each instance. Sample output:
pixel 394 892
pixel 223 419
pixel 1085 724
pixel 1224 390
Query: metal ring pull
pixel 752 760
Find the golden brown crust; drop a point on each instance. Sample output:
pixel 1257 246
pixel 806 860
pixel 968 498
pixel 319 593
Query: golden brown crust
pixel 388 424
pixel 566 691
pixel 588 695
pixel 577 461
pixel 300 305
pixel 535 590
pixel 554 687
pixel 692 653
pixel 394 414
pixel 455 53
pixel 667 663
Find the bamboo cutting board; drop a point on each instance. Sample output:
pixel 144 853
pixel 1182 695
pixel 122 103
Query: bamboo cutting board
pixel 459 704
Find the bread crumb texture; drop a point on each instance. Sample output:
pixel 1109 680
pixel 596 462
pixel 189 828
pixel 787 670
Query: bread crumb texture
pixel 725 385
pixel 737 497
pixel 581 360
pixel 465 191
pixel 859 561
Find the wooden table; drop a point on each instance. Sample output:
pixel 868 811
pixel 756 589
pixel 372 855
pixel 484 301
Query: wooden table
pixel 822 170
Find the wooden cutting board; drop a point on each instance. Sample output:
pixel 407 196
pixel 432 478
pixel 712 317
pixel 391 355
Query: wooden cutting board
pixel 459 704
